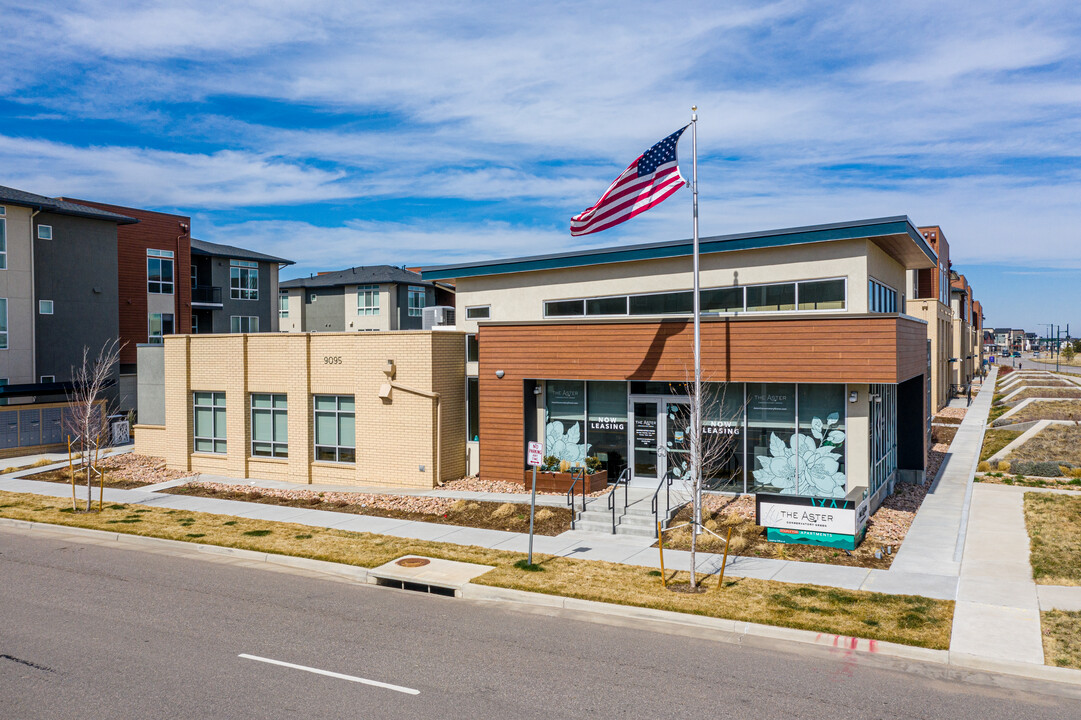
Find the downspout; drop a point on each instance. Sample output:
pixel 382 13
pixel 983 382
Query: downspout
pixel 438 422
pixel 33 305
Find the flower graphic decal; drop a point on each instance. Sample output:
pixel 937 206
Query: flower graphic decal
pixel 815 457
pixel 565 445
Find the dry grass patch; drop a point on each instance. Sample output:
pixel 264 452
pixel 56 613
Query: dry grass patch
pixel 1049 410
pixel 1058 443
pixel 1054 529
pixel 39 463
pixel 995 440
pixel 1048 392
pixel 1061 638
pixel 896 618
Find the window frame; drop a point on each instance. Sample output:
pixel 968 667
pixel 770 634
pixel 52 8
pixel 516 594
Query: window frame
pixel 214 407
pixel 241 274
pixel 161 323
pixel 3 240
pixel 46 378
pixel 414 309
pixel 240 322
pixel 273 411
pixel 844 294
pixel 47 235
pixel 158 286
pixel 41 307
pixel 4 324
pixel 283 311
pixel 365 293
pixel 472 312
pixel 337 413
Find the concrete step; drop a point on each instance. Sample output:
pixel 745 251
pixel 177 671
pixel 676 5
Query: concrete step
pixel 637 530
pixel 604 528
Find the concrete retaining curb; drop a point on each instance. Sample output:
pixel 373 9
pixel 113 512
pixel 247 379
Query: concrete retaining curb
pixel 955 665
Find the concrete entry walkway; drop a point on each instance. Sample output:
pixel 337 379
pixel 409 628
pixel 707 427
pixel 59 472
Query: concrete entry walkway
pixel 935 542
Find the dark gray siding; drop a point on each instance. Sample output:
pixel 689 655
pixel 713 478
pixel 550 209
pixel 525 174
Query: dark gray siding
pixel 77 270
pixel 327 313
pixel 261 308
pixel 405 322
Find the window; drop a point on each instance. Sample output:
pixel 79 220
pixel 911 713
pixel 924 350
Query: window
pixel 194 324
pixel 209 422
pixel 564 308
pixel 368 300
pixel 663 303
pixel 482 312
pixel 47 379
pixel 881 298
pixel 3 382
pixel 45 307
pixel 194 276
pixel 161 324
pixel 335 429
pixel 822 295
pixel 472 409
pixel 607 306
pixel 243 324
pixel 3 242
pixel 243 280
pixel 269 426
pixel 472 350
pixel 416 301
pixel 722 300
pixel 771 298
pixel 283 303
pixel 45 232
pixel 159 272
pixel 3 323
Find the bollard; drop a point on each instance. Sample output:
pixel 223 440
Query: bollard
pixel 720 580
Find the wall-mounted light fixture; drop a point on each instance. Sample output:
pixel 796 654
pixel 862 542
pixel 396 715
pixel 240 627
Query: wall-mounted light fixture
pixel 853 396
pixel 499 374
pixel 537 390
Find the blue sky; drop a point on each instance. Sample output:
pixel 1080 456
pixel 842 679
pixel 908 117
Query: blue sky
pixel 340 133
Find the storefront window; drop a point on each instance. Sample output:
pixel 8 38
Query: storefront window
pixel 606 430
pixel 821 441
pixel 723 419
pixel 771 426
pixel 565 410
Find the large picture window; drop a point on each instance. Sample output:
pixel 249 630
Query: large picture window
pixel 565 406
pixel 159 272
pixel 368 300
pixel 269 425
pixel 209 422
pixel 243 280
pixel 335 428
pixel 244 323
pixel 606 424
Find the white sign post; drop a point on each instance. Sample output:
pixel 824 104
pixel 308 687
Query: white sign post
pixel 534 455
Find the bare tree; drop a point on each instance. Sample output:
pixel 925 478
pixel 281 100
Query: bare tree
pixel 713 444
pixel 86 422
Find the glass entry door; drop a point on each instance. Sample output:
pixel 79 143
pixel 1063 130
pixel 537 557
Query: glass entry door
pixel 677 438
pixel 644 440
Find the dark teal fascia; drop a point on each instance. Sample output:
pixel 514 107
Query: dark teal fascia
pixel 899 225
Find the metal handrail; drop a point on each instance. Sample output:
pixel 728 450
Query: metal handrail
pixel 666 483
pixel 625 478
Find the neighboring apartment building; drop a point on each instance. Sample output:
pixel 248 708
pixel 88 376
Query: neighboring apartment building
pixel 58 295
pixel 365 298
pixel 152 283
pixel 803 329
pixel 961 299
pixel 233 290
pixel 931 303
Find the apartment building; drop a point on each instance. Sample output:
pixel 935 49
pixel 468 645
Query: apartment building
pixel 803 333
pixel 961 364
pixel 930 302
pixel 358 299
pixel 233 290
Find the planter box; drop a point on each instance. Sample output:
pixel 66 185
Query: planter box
pixel 561 482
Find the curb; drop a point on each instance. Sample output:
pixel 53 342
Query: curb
pixel 956 665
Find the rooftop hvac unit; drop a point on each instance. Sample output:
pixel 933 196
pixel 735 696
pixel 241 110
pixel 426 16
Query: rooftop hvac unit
pixel 438 316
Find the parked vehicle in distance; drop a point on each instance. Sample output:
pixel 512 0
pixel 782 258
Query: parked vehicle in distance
pixel 1017 354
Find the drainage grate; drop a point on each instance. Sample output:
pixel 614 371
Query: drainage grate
pixel 413 562
pixel 415 587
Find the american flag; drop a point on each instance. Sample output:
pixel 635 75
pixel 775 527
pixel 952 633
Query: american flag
pixel 646 182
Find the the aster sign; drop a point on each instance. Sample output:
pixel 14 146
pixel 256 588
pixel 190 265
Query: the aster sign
pixel 833 522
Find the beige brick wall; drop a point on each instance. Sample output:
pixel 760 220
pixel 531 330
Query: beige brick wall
pixel 395 437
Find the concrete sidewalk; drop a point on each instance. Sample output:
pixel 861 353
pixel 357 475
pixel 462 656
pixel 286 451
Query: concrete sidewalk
pixel 935 542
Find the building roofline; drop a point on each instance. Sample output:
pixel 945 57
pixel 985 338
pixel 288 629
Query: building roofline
pixel 202 247
pixel 876 227
pixel 59 206
pixel 369 274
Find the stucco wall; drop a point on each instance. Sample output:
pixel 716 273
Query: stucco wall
pixel 17 361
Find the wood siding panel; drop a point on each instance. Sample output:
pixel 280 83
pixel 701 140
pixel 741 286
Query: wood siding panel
pixel 865 349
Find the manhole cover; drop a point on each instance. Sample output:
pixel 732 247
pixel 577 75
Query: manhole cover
pixel 413 562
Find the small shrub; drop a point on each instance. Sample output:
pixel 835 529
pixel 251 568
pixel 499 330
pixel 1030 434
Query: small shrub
pixel 1040 468
pixel 593 464
pixel 1003 466
pixel 984 466
pixel 544 514
pixel 504 510
pixel 564 466
pixel 458 505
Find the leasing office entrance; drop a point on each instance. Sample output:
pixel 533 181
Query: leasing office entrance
pixel 659 437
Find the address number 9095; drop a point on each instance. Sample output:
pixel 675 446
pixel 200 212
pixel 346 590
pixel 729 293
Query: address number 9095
pixel 332 359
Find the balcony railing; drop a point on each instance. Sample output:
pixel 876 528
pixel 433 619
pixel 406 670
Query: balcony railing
pixel 206 295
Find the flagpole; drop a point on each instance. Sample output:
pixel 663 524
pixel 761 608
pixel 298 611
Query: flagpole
pixel 696 412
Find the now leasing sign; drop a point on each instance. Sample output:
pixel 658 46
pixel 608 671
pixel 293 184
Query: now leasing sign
pixel 832 522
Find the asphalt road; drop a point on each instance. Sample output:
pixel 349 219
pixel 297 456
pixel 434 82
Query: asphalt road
pixel 91 631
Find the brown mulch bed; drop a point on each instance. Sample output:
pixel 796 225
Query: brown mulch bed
pixel 512 517
pixel 476 484
pixel 945 414
pixel 943 434
pixel 122 472
pixel 887 527
pixel 935 456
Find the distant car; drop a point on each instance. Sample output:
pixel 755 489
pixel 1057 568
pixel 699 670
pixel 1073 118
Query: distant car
pixel 1017 354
